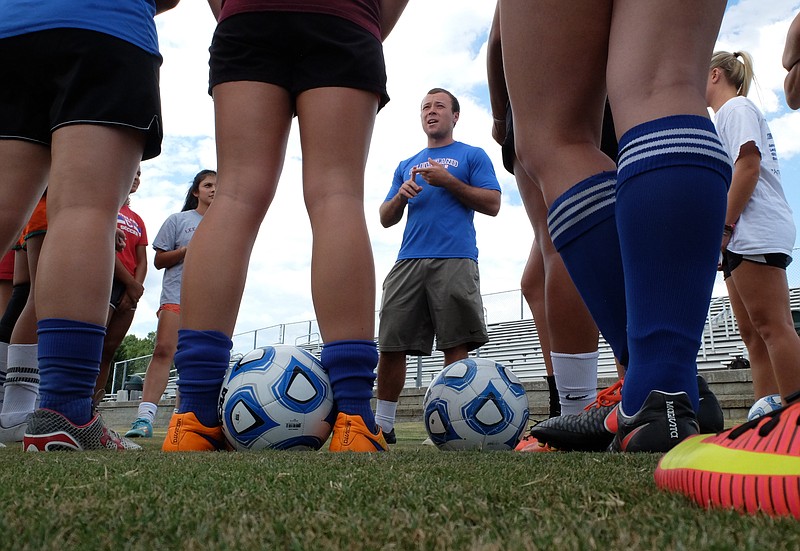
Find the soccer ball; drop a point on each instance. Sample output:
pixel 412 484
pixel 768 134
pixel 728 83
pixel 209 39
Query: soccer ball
pixel 764 405
pixel 276 397
pixel 475 404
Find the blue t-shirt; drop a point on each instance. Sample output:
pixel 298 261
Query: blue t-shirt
pixel 439 225
pixel 129 20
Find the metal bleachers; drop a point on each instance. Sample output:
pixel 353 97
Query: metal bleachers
pixel 516 344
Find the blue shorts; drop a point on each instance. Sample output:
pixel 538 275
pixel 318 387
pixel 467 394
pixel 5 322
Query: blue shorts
pixel 298 52
pixel 60 77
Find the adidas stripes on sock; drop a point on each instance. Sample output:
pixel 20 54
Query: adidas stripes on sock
pixel 673 178
pixel 3 368
pixel 584 231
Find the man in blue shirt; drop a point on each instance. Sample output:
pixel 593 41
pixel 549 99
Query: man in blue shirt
pixel 434 287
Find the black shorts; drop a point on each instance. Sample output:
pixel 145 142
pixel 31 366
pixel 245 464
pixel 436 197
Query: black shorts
pixel 59 77
pixel 298 52
pixel 507 149
pixel 117 292
pixel 731 261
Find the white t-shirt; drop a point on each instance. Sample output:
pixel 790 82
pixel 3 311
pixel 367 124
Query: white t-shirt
pixel 176 232
pixel 766 224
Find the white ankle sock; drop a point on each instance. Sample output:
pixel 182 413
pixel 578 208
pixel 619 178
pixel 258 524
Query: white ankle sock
pixel 147 410
pixel 576 379
pixel 3 367
pixel 385 412
pixel 22 383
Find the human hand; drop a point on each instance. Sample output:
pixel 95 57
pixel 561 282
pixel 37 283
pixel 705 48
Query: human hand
pixel 119 240
pixel 134 291
pixel 435 174
pixel 499 131
pixel 410 189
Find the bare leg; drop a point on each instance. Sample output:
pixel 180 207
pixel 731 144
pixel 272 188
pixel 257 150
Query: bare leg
pixel 764 293
pixel 25 167
pixel 155 382
pixel 391 375
pixel 334 158
pixel 251 144
pixel 117 327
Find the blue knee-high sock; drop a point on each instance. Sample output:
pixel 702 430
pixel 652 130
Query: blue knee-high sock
pixel 69 362
pixel 673 177
pixel 201 360
pixel 584 232
pixel 351 370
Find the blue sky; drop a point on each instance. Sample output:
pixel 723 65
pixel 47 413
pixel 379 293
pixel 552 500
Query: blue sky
pixel 435 43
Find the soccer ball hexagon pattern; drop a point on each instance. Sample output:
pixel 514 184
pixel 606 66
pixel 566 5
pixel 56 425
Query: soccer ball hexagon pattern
pixel 276 397
pixel 475 404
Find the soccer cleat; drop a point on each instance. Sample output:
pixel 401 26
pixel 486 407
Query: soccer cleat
pixel 350 434
pixel 752 467
pixel 709 417
pixel 591 430
pixel 141 428
pixel 664 420
pixel 13 433
pixel 48 430
pixel 187 434
pixel 530 444
pixel 390 437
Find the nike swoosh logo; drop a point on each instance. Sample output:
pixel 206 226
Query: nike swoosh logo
pixel 570 397
pixel 627 439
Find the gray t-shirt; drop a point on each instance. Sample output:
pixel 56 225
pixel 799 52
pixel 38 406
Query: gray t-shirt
pixel 176 232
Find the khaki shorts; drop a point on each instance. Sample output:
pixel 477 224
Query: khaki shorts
pixel 423 297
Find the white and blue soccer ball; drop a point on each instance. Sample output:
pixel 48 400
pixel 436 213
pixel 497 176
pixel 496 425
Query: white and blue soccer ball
pixel 764 405
pixel 276 397
pixel 475 404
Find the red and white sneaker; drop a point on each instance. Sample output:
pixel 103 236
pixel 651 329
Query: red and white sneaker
pixel 48 431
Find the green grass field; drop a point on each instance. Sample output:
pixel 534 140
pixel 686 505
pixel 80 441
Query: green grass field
pixel 414 497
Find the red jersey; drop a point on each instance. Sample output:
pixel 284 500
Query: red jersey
pixel 135 234
pixel 364 13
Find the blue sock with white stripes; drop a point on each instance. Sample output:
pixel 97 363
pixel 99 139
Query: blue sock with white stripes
pixel 673 178
pixel 583 228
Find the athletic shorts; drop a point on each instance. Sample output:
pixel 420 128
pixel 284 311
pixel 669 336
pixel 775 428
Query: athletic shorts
pixel 731 261
pixel 59 77
pixel 423 297
pixel 117 292
pixel 298 52
pixel 37 225
pixel 170 307
pixel 507 149
pixel 7 266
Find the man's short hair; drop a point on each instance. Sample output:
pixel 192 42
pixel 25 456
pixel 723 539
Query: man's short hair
pixel 456 105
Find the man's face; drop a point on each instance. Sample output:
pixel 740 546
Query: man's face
pixel 436 114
